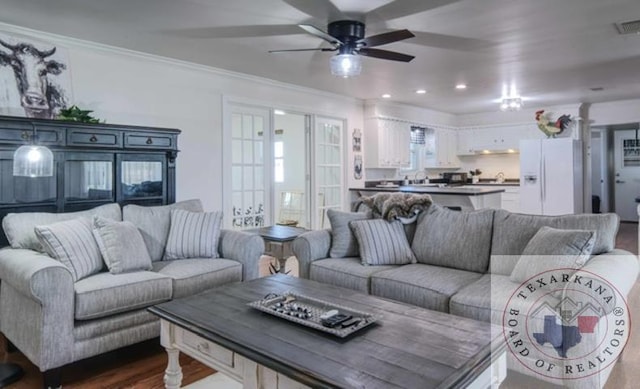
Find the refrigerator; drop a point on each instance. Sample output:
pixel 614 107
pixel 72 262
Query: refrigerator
pixel 551 176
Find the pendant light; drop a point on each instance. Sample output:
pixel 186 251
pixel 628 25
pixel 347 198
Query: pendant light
pixel 33 160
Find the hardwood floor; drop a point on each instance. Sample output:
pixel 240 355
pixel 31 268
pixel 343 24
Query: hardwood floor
pixel 142 365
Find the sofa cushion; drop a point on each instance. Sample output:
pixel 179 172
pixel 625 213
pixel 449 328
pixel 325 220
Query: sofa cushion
pixel 343 243
pixel 19 227
pixel 72 243
pixel 191 276
pixel 104 294
pixel 154 223
pixel 512 232
pixel 551 249
pixel 382 243
pixel 484 299
pixel 193 235
pixel 460 240
pixel 121 245
pixel 426 286
pixel 345 272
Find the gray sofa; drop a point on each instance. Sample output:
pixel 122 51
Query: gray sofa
pixel 55 321
pixel 465 260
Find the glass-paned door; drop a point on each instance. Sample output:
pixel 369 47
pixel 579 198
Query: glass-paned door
pixel 249 199
pixel 328 169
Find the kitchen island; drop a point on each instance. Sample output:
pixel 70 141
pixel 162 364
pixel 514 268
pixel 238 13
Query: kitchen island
pixel 464 197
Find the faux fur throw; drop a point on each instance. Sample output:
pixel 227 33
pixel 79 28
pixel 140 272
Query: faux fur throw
pixel 391 206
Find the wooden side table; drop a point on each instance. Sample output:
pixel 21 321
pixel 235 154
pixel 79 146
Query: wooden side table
pixel 277 241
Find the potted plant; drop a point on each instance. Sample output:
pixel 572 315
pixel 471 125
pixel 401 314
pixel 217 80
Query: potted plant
pixel 475 175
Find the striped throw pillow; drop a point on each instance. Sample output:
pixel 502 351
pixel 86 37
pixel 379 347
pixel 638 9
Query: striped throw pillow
pixel 382 242
pixel 71 242
pixel 193 235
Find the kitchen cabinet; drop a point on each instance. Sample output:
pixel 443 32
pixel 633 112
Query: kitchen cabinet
pixel 441 149
pixel 387 143
pixel 465 141
pixel 510 198
pixel 493 139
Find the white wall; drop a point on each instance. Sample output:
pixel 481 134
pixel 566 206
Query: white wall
pixel 127 87
pixel 615 112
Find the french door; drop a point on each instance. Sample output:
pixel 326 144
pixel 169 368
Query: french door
pixel 270 178
pixel 328 172
pixel 627 173
pixel 248 202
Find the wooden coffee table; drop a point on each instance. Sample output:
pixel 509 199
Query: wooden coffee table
pixel 408 347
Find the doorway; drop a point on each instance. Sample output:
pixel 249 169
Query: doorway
pixel 290 169
pixel 626 170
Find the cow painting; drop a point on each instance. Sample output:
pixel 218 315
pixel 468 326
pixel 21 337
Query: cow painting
pixel 39 97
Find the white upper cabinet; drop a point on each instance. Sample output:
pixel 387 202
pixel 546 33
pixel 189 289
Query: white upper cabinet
pixel 441 149
pixel 493 139
pixel 387 143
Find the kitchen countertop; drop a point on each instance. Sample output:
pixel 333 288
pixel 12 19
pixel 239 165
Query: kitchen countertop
pixel 460 191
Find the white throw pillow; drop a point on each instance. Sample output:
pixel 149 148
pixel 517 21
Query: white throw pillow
pixel 193 235
pixel 121 245
pixel 71 242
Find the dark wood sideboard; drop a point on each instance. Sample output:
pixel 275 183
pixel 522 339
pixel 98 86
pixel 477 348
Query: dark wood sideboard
pixel 95 164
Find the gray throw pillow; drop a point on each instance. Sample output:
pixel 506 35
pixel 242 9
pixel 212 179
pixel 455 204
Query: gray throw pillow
pixel 121 245
pixel 551 249
pixel 455 239
pixel 382 243
pixel 154 223
pixel 71 242
pixel 193 235
pixel 343 243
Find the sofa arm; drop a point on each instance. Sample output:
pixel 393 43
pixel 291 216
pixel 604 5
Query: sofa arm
pixel 617 267
pixel 245 248
pixel 310 246
pixel 37 306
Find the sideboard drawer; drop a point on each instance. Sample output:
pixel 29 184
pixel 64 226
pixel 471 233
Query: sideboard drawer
pixel 46 136
pixel 149 141
pixel 94 138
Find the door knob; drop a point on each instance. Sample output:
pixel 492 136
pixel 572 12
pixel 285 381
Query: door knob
pixel 619 182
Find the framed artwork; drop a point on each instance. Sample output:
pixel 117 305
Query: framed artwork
pixel 357 140
pixel 35 79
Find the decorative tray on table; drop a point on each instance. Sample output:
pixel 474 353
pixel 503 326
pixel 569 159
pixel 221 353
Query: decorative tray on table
pixel 315 313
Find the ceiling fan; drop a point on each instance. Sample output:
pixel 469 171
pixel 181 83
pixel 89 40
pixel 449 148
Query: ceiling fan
pixel 347 37
pixel 346 30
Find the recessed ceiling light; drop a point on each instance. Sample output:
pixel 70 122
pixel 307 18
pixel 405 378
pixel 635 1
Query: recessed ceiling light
pixel 386 96
pixel 421 91
pixel 461 86
pixel 278 112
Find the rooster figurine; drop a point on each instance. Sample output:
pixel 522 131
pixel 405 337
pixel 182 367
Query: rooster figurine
pixel 551 130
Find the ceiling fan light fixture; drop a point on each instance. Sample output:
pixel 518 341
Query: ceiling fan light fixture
pixel 346 65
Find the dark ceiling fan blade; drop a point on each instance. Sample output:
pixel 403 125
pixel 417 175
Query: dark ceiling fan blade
pixel 385 54
pixel 387 37
pixel 238 31
pixel 315 31
pixel 316 49
pixel 399 8
pixel 319 9
pixel 450 42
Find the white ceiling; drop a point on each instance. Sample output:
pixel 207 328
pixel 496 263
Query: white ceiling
pixel 554 50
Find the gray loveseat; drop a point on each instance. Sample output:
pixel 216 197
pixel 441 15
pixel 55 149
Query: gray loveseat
pixel 465 260
pixel 55 321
